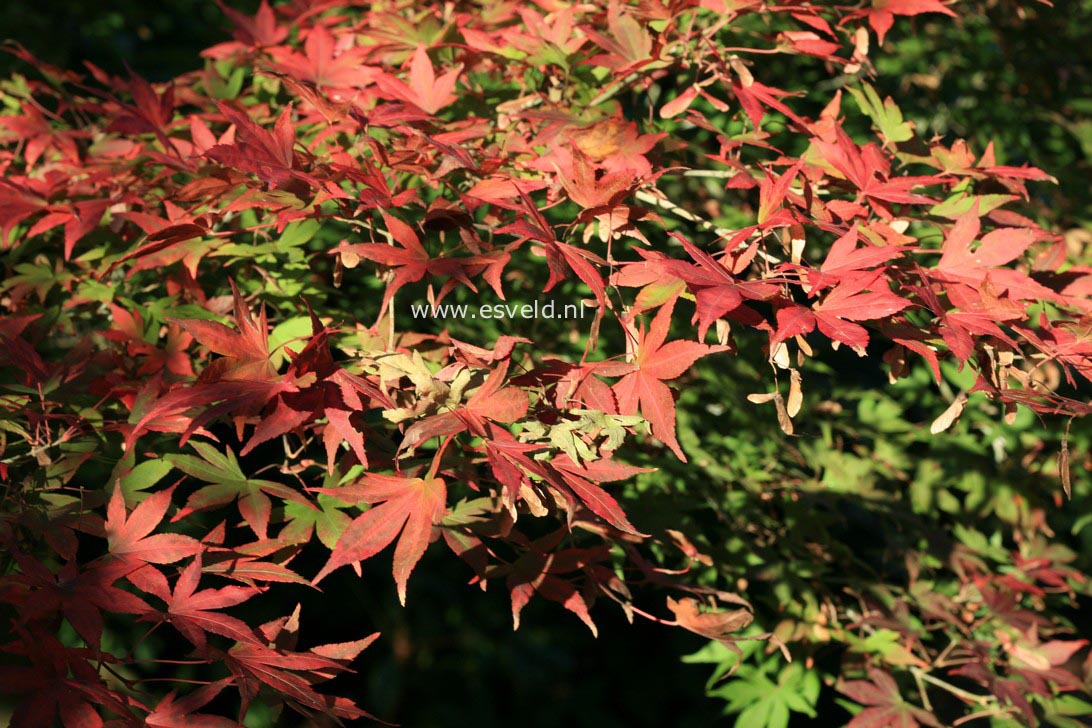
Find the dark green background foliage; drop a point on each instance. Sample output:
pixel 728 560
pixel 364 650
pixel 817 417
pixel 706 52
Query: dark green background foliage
pixel 864 478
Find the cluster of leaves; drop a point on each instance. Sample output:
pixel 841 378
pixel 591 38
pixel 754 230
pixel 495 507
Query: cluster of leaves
pixel 332 164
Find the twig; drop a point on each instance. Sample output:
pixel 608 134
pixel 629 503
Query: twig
pixel 918 673
pixel 685 214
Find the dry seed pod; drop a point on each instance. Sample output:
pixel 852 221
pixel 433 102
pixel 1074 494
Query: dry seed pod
pixel 796 243
pixel 950 415
pixel 781 356
pixel 796 393
pixel 783 418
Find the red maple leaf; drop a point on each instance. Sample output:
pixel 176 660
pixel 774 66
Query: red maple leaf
pixel 772 193
pixel 244 351
pixel 560 257
pixel 582 479
pixel 268 155
pixel 592 192
pixel 258 31
pixel 861 298
pixel 192 612
pixel 129 329
pixel 78 218
pixel 491 401
pixel 869 170
pixel 323 64
pixel 255 665
pixel 81 595
pixel 655 362
pixel 411 262
pixel 716 289
pixel 131 539
pixel 407 506
pixel 885 705
pixel 425 90
pixel 960 264
pixel 60 683
pixel 174 712
pixel 538 571
pixel 882 14
pixel 845 258
pixel 629 45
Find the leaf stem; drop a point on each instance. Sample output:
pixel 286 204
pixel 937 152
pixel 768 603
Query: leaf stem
pixel 920 674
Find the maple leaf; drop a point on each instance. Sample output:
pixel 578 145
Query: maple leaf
pixel 407 506
pixel 629 44
pixel 174 712
pixel 850 302
pixel 884 704
pixel 78 218
pixel 882 15
pixel 845 258
pixel 614 144
pixel 509 462
pixel 869 170
pixel 60 684
pixel 655 362
pixel 425 90
pixel 491 401
pixel 959 263
pixel 499 190
pixel 582 479
pixel 245 351
pixel 80 594
pixel 976 313
pixel 772 193
pixel 259 30
pixel 129 329
pixel 33 129
pixel 323 64
pixel 179 237
pixel 327 521
pixel 588 191
pixel 131 539
pixel 255 665
pixel 538 570
pixel 885 114
pixel 560 257
pixel 410 261
pixel 229 484
pixel 716 625
pixel 268 155
pixel 239 396
pixel 716 289
pixel 754 96
pixel 192 612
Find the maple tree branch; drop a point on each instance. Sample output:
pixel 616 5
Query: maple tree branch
pixel 612 90
pixel 923 692
pixel 999 710
pixel 918 673
pixel 685 214
pixel 714 173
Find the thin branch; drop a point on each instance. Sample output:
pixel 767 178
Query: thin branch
pixel 665 204
pixel 983 700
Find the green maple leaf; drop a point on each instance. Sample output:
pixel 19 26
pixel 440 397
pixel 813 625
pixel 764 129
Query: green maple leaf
pixel 885 114
pixel 762 701
pixel 228 483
